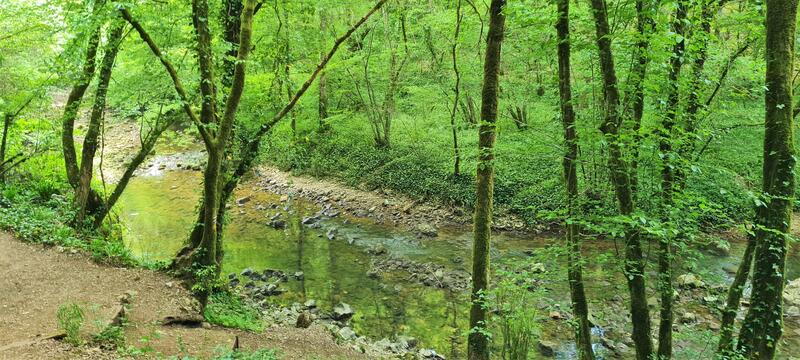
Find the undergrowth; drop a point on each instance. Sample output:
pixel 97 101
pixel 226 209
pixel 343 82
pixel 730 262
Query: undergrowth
pixel 228 310
pixel 40 212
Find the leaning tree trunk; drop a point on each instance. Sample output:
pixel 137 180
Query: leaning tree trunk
pixel 478 341
pixel 583 337
pixel 620 179
pixel 73 105
pixel 763 325
pixel 91 139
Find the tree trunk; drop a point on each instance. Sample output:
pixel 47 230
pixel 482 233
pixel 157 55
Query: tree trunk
pixel 209 252
pixel 323 79
pixel 7 119
pixel 644 27
pixel 620 179
pixel 231 22
pixel 73 106
pixel 583 337
pixel 456 91
pixel 90 142
pixel 726 343
pixel 478 342
pixel 763 325
pixel 669 163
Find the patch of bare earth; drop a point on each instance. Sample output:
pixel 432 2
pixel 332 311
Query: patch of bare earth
pixel 37 280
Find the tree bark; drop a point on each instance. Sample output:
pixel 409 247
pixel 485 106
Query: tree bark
pixel 763 325
pixel 456 91
pixel 583 337
pixel 73 104
pixel 478 347
pixel 231 23
pixel 726 342
pixel 7 119
pixel 323 79
pixel 620 179
pixel 669 163
pixel 90 142
pixel 644 27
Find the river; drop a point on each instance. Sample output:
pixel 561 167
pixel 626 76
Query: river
pixel 158 209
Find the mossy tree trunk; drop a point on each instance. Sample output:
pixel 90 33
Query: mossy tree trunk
pixel 478 347
pixel 620 179
pixel 583 337
pixel 669 163
pixel 762 327
pixel 644 28
pixel 83 192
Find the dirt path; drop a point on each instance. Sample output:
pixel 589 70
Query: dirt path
pixel 36 281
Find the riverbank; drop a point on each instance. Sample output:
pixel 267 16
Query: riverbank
pixel 39 280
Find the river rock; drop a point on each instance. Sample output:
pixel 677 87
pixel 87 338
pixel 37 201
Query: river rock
pixel 308 220
pixel 426 229
pixel 342 312
pixel 277 224
pixel 690 281
pixel 331 234
pixel 310 304
pixel 547 348
pixel 346 333
pixel 430 354
pixel 299 275
pixel 377 250
pixel 304 320
pixel 243 200
pixel 408 342
pixel 688 318
pixel 248 272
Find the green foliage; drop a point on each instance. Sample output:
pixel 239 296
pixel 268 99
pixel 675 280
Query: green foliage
pixel 70 320
pixel 261 354
pixel 514 296
pixel 111 337
pixel 40 212
pixel 227 309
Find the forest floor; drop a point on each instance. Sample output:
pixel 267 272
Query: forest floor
pixel 38 280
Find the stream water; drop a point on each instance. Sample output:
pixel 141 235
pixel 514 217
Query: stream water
pixel 158 210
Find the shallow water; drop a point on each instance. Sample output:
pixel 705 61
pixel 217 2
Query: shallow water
pixel 158 210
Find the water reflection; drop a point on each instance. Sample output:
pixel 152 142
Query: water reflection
pixel 159 211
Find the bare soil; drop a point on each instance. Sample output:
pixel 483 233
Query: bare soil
pixel 37 280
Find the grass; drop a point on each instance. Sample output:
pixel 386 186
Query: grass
pixel 228 310
pixel 70 320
